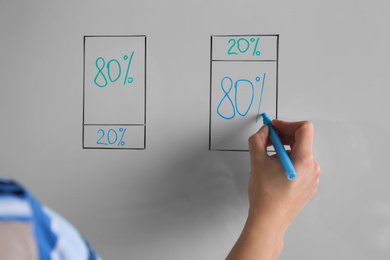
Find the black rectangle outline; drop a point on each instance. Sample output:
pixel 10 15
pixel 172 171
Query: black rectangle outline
pixel 83 123
pixel 211 73
pixel 277 82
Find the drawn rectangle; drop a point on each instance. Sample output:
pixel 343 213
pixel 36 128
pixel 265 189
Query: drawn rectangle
pixel 114 86
pixel 240 90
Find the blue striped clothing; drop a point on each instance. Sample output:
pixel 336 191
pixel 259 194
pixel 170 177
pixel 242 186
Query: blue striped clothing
pixel 55 238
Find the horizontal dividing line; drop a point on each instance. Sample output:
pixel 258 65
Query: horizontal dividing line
pixel 240 35
pixel 224 150
pixel 114 35
pixel 114 124
pixel 103 148
pixel 247 60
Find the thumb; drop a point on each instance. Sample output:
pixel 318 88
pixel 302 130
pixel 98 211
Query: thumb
pixel 258 143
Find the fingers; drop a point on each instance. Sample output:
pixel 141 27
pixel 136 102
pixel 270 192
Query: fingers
pixel 299 133
pixel 258 142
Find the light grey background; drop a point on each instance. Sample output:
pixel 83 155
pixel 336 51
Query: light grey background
pixel 176 199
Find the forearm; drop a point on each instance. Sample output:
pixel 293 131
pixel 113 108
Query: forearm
pixel 259 240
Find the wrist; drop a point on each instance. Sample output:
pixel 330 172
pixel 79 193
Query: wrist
pixel 260 239
pixel 268 218
pixel 266 223
pixel 266 234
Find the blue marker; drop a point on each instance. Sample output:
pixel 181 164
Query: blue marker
pixel 283 156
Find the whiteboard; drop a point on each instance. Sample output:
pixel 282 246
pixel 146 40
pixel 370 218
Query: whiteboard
pixel 169 196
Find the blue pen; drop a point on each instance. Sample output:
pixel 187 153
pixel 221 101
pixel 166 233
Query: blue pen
pixel 279 148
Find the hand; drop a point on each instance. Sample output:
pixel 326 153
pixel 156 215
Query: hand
pixel 275 201
pixel 272 197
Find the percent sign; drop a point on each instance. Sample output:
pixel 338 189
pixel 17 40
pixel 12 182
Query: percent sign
pixel 100 75
pixel 109 137
pixel 242 41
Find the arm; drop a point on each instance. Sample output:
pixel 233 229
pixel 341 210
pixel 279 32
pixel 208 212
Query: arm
pixel 274 201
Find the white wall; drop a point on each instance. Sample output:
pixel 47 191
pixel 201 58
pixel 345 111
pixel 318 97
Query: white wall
pixel 177 199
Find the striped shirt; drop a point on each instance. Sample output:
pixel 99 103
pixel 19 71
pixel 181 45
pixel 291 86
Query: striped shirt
pixel 39 231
